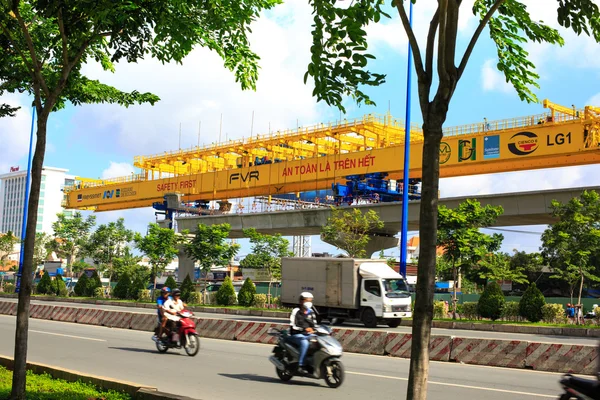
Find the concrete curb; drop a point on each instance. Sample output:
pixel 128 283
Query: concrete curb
pixel 135 390
pixel 550 357
pixel 455 325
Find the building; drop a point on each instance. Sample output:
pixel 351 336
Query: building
pixel 12 197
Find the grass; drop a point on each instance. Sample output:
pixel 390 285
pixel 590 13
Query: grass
pixel 525 323
pixel 44 387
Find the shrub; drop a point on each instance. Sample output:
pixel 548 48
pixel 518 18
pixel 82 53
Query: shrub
pixel 260 300
pixel 93 283
pixel 510 311
pixel 195 298
pixel 210 299
pixel 99 293
pixel 596 316
pixel 246 294
pixel 81 285
pixel 470 310
pixel 59 286
pixel 137 285
pixel 187 288
pixel 144 295
pixel 9 288
pixel 226 293
pixel 277 301
pixel 491 302
pixel 45 284
pixel 439 309
pixel 170 282
pixel 123 286
pixel 531 304
pixel 551 313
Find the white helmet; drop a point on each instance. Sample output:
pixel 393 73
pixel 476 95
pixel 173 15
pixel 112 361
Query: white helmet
pixel 306 295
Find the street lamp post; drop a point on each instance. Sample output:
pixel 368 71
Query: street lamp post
pixel 25 205
pixel 404 234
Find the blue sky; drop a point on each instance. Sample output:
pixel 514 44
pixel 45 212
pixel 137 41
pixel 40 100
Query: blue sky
pixel 101 140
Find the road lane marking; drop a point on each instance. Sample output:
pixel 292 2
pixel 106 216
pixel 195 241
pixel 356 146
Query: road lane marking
pixel 457 385
pixel 70 336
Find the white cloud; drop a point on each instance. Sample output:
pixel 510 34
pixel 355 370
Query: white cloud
pixel 117 169
pixel 594 101
pixel 492 80
pixel 14 134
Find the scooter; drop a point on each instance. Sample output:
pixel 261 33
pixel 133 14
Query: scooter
pixel 322 358
pixel 579 388
pixel 184 335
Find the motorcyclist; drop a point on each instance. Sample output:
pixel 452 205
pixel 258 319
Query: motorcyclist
pixel 302 322
pixel 162 319
pixel 172 307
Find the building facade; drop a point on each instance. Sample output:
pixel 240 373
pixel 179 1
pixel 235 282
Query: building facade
pixel 12 198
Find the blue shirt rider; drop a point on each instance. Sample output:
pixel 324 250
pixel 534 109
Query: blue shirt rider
pixel 162 319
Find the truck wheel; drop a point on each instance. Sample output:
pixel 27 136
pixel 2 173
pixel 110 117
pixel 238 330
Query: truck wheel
pixel 394 323
pixel 369 318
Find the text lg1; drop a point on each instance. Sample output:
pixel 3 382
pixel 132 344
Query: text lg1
pixel 559 139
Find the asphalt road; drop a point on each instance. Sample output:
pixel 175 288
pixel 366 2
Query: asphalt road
pixel 401 329
pixel 228 369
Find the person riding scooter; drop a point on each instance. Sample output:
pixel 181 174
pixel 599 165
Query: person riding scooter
pixel 302 321
pixel 162 319
pixel 172 307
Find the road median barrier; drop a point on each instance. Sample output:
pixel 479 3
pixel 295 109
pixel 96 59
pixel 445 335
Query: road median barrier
pixel 489 352
pixel 256 332
pixel 360 341
pixel 566 358
pixel 64 314
pixel 225 329
pixel 399 345
pixel 90 316
pixel 117 319
pixel 135 390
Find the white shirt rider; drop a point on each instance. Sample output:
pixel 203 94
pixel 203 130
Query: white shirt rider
pixel 173 305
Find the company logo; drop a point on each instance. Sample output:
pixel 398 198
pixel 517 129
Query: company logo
pixel 108 194
pixel 247 177
pixel 467 150
pixel 445 152
pixel 523 143
pixel 491 147
pixel 14 169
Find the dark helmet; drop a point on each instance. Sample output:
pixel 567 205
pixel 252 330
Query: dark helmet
pixel 176 292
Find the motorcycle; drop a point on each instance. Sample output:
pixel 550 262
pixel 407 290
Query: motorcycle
pixel 322 358
pixel 579 388
pixel 184 335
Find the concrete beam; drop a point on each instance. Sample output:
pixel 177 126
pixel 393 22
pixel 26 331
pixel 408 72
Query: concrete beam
pixel 520 209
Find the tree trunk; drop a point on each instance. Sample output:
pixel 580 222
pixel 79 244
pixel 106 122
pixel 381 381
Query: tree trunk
pixel 423 312
pixel 21 335
pixel 454 273
pixel 579 299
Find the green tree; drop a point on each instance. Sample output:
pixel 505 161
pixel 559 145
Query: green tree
pixel 7 244
pixel 71 236
pixel 81 286
pixel 170 282
pixel 349 230
pixel 570 244
pixel 459 236
pixel 187 288
pixel 491 303
pixel 531 303
pixel 226 293
pixel 532 264
pixel 46 43
pixel 123 287
pixel 269 249
pixel 246 293
pixel 93 283
pixel 339 65
pixel 209 248
pixel 79 266
pixel 497 267
pixel 127 262
pixel 107 243
pixel 160 246
pixel 41 248
pixel 137 284
pixel 45 284
pixel 59 286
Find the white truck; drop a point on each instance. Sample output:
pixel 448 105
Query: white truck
pixel 347 288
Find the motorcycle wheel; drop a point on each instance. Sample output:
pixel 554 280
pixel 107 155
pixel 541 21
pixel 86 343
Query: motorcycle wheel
pixel 565 397
pixel 161 347
pixel 284 375
pixel 193 346
pixel 336 378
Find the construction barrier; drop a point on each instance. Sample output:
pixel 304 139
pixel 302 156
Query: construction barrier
pixel 143 322
pixel 217 328
pixel 257 332
pixel 64 314
pixel 360 341
pixel 399 345
pixel 8 308
pixel 117 319
pixel 40 311
pixel 90 316
pixel 567 358
pixel 496 353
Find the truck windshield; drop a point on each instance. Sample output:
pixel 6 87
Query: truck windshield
pixel 396 288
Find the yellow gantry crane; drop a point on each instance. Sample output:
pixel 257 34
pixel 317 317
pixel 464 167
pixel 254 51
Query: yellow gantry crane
pixel 314 158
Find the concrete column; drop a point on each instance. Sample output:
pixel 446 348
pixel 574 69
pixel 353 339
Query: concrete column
pixel 186 266
pixel 376 244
